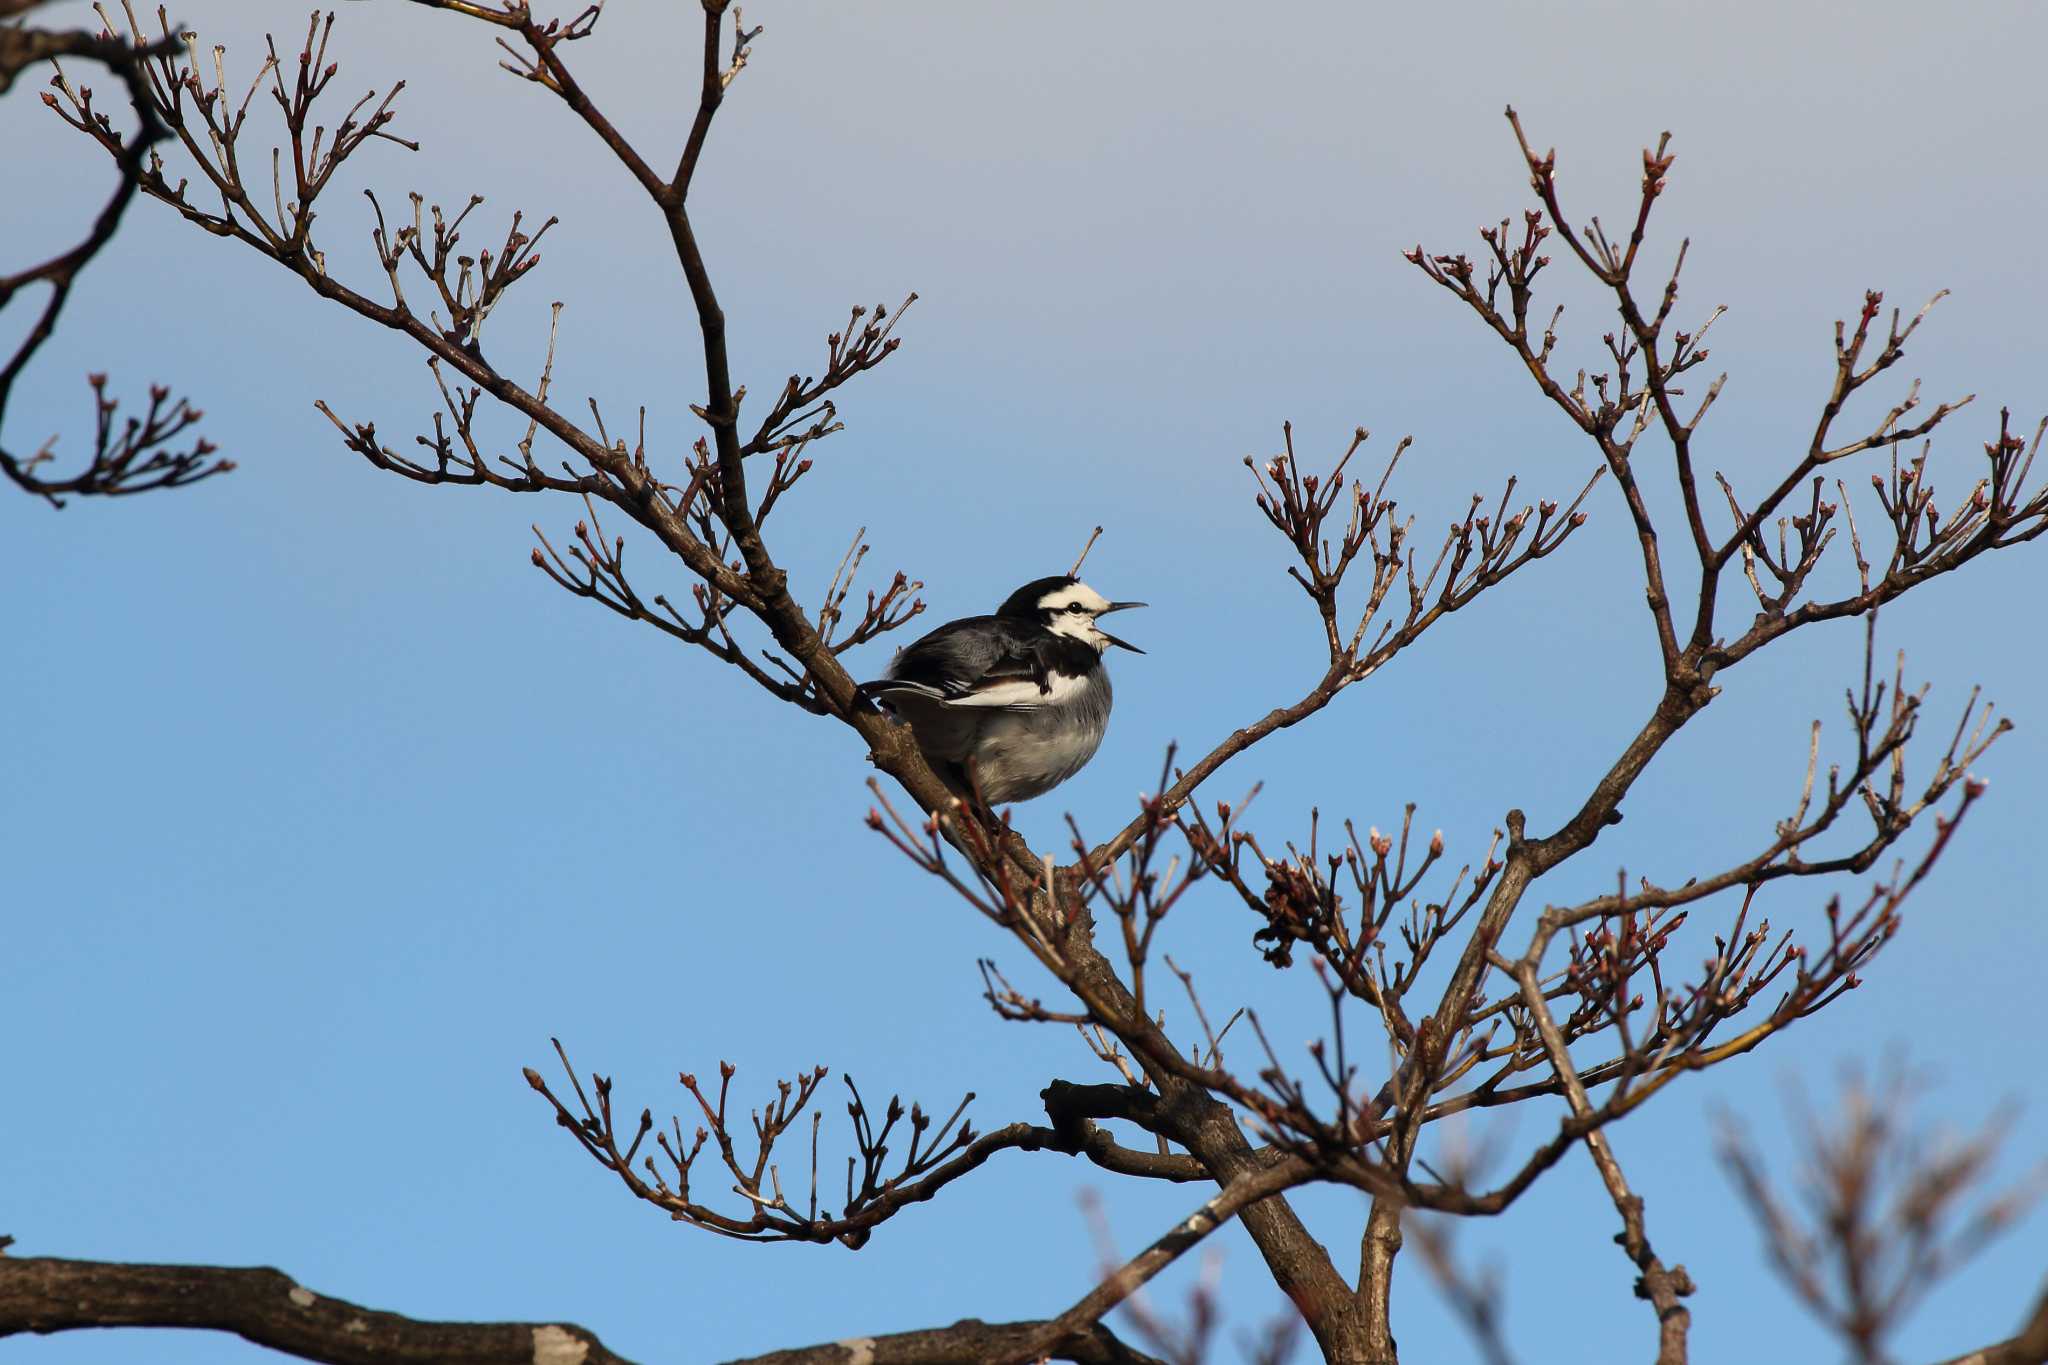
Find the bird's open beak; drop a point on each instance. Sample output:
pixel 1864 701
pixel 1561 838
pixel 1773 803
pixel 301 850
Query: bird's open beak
pixel 1120 644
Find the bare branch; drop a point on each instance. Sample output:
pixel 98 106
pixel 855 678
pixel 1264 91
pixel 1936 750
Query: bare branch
pixel 138 457
pixel 1236 1196
pixel 45 1295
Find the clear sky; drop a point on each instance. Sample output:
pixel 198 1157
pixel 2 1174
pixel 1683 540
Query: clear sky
pixel 323 810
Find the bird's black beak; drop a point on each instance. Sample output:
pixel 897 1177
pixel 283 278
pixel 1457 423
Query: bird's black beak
pixel 1120 644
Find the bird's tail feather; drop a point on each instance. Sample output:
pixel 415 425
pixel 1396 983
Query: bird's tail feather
pixel 883 687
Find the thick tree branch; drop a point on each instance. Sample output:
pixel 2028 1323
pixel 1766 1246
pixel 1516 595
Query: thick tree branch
pixel 45 1294
pixel 968 1342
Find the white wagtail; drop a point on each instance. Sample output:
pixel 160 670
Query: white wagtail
pixel 1011 705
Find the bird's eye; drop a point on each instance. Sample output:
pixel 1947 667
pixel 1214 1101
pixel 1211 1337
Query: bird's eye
pixel 1078 607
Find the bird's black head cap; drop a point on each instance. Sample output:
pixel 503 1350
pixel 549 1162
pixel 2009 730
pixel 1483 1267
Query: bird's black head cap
pixel 1024 602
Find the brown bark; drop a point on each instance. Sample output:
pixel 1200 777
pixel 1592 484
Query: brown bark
pixel 46 1294
pixel 269 1308
pixel 968 1342
pixel 1382 1244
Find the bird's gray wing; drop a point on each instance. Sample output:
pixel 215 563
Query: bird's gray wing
pixel 978 661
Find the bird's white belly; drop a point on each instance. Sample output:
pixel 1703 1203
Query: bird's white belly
pixel 1019 754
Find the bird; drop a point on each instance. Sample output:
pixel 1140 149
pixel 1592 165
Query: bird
pixel 1007 707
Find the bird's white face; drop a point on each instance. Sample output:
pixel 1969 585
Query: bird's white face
pixel 1071 610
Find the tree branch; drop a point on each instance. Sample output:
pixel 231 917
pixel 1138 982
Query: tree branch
pixel 1238 1196
pixel 967 1340
pixel 46 1294
pixel 135 459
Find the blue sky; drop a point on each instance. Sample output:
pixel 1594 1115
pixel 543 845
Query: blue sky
pixel 326 810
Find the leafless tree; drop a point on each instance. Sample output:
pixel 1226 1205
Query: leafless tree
pixel 1476 992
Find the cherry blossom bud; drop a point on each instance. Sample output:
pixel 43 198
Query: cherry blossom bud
pixel 1436 844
